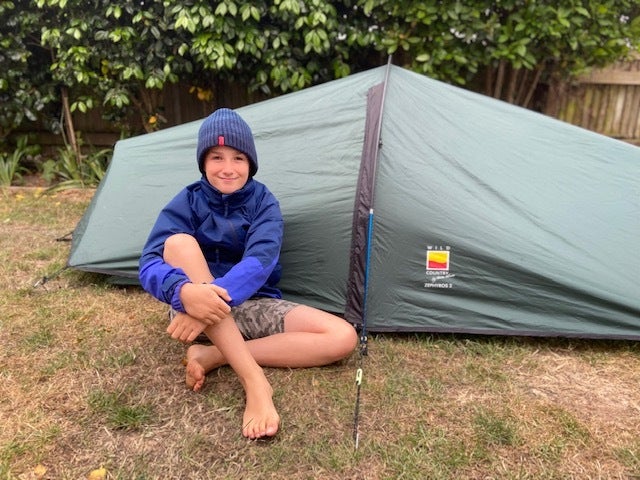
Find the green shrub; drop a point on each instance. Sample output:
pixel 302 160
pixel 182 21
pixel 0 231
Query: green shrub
pixel 11 165
pixel 76 170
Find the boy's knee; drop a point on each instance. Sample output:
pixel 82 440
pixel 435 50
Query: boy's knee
pixel 352 338
pixel 178 242
pixel 179 239
pixel 346 340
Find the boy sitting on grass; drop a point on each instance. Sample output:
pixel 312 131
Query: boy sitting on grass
pixel 213 256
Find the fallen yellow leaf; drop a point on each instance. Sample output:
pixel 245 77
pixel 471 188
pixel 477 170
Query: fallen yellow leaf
pixel 98 474
pixel 39 471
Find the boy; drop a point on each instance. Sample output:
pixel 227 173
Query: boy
pixel 213 256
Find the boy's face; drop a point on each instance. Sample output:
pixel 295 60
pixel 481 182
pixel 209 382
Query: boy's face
pixel 226 168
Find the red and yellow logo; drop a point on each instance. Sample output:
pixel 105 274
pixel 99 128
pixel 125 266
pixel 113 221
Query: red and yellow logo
pixel 438 260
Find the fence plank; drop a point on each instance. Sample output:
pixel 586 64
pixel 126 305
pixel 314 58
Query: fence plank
pixel 611 77
pixel 606 101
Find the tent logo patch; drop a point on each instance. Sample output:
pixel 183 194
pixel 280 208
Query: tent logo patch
pixel 438 261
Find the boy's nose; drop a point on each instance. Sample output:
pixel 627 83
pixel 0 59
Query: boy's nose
pixel 227 166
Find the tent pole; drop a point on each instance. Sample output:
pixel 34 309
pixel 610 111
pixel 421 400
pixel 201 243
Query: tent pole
pixel 363 336
pixel 370 223
pixel 369 242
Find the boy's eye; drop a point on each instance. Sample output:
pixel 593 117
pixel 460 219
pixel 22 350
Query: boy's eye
pixel 217 157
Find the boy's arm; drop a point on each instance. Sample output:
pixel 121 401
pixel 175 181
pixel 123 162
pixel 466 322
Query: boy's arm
pixel 261 255
pixel 162 280
pixel 245 279
pixel 156 276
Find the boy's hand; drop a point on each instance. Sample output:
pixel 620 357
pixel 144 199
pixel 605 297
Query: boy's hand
pixel 205 302
pixel 185 328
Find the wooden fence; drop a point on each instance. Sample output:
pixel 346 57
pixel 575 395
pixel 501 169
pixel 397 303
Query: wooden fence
pixel 606 101
pixel 178 105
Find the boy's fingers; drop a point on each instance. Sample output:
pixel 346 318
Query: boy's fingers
pixel 214 319
pixel 171 327
pixel 222 292
pixel 182 330
pixel 175 334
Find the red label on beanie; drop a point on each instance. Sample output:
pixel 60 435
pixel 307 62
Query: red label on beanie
pixel 221 140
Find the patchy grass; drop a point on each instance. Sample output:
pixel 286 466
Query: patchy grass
pixel 89 379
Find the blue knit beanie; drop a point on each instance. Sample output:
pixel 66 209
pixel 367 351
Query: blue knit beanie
pixel 226 127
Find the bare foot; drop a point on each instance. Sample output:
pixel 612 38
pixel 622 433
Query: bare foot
pixel 260 417
pixel 195 369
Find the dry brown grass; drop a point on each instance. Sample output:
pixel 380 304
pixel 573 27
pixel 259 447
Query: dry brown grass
pixel 88 379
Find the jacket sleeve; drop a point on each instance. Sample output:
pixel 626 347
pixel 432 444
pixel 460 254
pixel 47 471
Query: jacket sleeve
pixel 261 253
pixel 156 276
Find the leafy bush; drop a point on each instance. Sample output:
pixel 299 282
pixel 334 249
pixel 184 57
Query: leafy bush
pixel 11 165
pixel 76 170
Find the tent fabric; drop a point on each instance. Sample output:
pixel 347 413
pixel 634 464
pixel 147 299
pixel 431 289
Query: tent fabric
pixel 489 218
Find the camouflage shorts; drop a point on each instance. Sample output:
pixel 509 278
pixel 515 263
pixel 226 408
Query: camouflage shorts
pixel 259 317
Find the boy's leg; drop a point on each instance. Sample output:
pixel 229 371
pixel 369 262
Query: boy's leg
pixel 260 417
pixel 311 338
pixel 182 251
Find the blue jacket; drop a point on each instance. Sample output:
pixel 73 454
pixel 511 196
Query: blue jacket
pixel 240 235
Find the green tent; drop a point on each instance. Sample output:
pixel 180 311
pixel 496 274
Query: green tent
pixel 415 206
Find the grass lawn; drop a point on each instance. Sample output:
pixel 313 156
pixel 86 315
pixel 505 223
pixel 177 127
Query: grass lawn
pixel 91 386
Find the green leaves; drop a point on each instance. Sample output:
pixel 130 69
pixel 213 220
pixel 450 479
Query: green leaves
pixel 120 56
pixel 249 11
pixel 453 40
